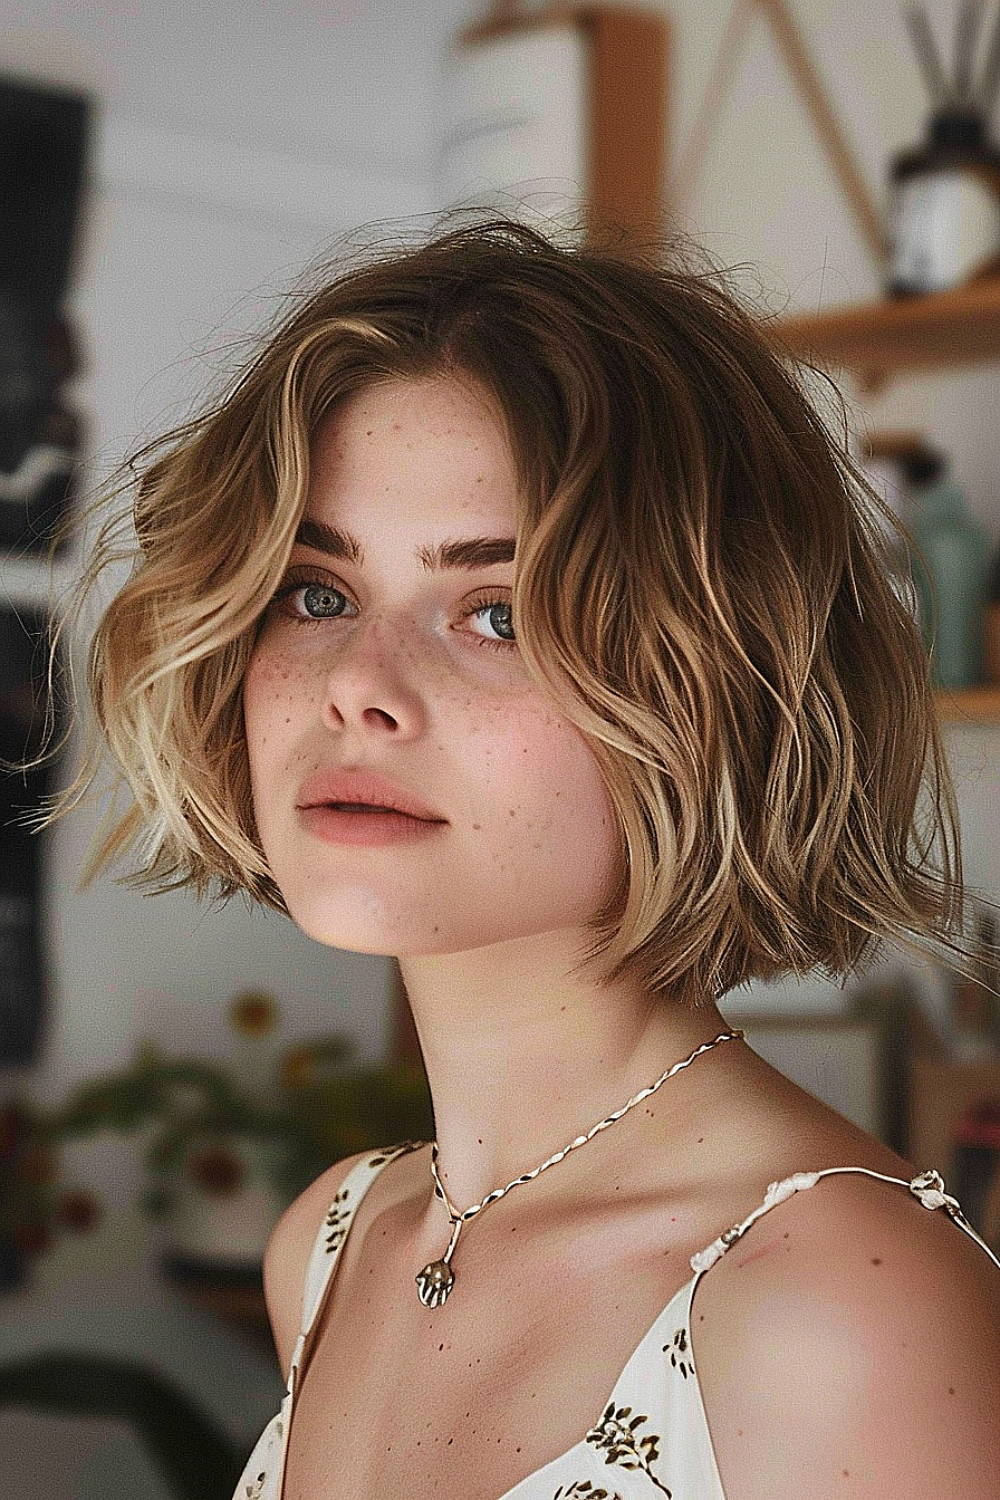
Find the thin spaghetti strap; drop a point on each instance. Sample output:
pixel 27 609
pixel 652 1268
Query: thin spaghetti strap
pixel 927 1187
pixel 325 1256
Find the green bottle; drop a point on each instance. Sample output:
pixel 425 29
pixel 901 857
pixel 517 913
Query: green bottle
pixel 956 561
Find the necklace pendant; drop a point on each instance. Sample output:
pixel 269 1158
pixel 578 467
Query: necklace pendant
pixel 434 1283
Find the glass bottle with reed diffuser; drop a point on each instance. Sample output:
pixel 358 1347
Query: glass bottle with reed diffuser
pixel 944 208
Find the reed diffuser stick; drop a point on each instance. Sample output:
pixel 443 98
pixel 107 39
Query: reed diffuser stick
pixel 970 18
pixel 987 95
pixel 927 55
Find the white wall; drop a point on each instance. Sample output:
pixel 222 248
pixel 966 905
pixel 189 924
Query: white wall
pixel 233 145
pixel 235 142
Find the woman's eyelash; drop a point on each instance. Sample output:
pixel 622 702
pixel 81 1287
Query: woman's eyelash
pixel 479 605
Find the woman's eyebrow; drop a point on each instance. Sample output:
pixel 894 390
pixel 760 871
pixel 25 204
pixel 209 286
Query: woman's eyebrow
pixel 469 552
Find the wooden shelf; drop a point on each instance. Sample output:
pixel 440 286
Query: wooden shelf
pixel 881 339
pixel 980 705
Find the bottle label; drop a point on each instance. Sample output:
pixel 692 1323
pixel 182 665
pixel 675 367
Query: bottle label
pixel 946 228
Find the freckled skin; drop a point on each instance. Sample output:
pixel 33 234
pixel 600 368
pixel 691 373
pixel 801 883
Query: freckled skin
pixel 399 684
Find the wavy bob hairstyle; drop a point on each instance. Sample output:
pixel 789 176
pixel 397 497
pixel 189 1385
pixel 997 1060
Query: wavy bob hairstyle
pixel 700 584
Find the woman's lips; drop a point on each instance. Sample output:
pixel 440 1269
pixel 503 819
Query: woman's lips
pixel 343 787
pixel 374 826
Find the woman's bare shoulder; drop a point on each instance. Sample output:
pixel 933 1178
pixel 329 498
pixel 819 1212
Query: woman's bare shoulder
pixel 851 1340
pixel 289 1246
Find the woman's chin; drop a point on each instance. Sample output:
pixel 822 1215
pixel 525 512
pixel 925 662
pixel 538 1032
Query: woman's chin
pixel 382 934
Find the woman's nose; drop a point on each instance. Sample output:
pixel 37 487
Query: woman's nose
pixel 370 685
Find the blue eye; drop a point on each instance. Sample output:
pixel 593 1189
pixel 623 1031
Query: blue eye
pixel 320 601
pixel 503 625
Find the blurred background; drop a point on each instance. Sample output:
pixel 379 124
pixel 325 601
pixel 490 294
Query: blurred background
pixel 171 1075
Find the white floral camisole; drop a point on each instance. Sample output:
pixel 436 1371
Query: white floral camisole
pixel 652 1437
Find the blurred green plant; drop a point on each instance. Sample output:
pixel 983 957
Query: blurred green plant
pixel 315 1111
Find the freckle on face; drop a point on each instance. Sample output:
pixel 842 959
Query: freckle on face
pixel 478 735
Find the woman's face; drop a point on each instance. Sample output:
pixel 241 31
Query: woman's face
pixel 375 658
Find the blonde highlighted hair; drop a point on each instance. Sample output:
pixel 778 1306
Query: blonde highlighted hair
pixel 700 584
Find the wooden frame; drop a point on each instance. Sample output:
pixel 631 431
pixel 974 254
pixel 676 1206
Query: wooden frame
pixel 941 1091
pixel 778 16
pixel 626 126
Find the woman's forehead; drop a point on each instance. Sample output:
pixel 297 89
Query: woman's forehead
pixel 430 448
pixel 439 405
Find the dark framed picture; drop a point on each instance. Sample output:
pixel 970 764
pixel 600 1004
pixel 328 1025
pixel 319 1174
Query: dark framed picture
pixel 24 707
pixel 44 140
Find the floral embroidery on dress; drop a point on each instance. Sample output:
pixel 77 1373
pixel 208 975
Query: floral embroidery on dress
pixel 339 1214
pixel 337 1219
pixel 584 1487
pixel 680 1353
pixel 387 1153
pixel 622 1445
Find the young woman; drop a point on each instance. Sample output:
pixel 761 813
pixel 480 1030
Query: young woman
pixel 516 614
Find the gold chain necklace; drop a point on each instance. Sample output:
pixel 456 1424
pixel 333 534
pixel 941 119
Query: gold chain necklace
pixel 436 1280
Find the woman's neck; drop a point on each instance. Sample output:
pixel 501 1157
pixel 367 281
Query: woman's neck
pixel 522 1056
